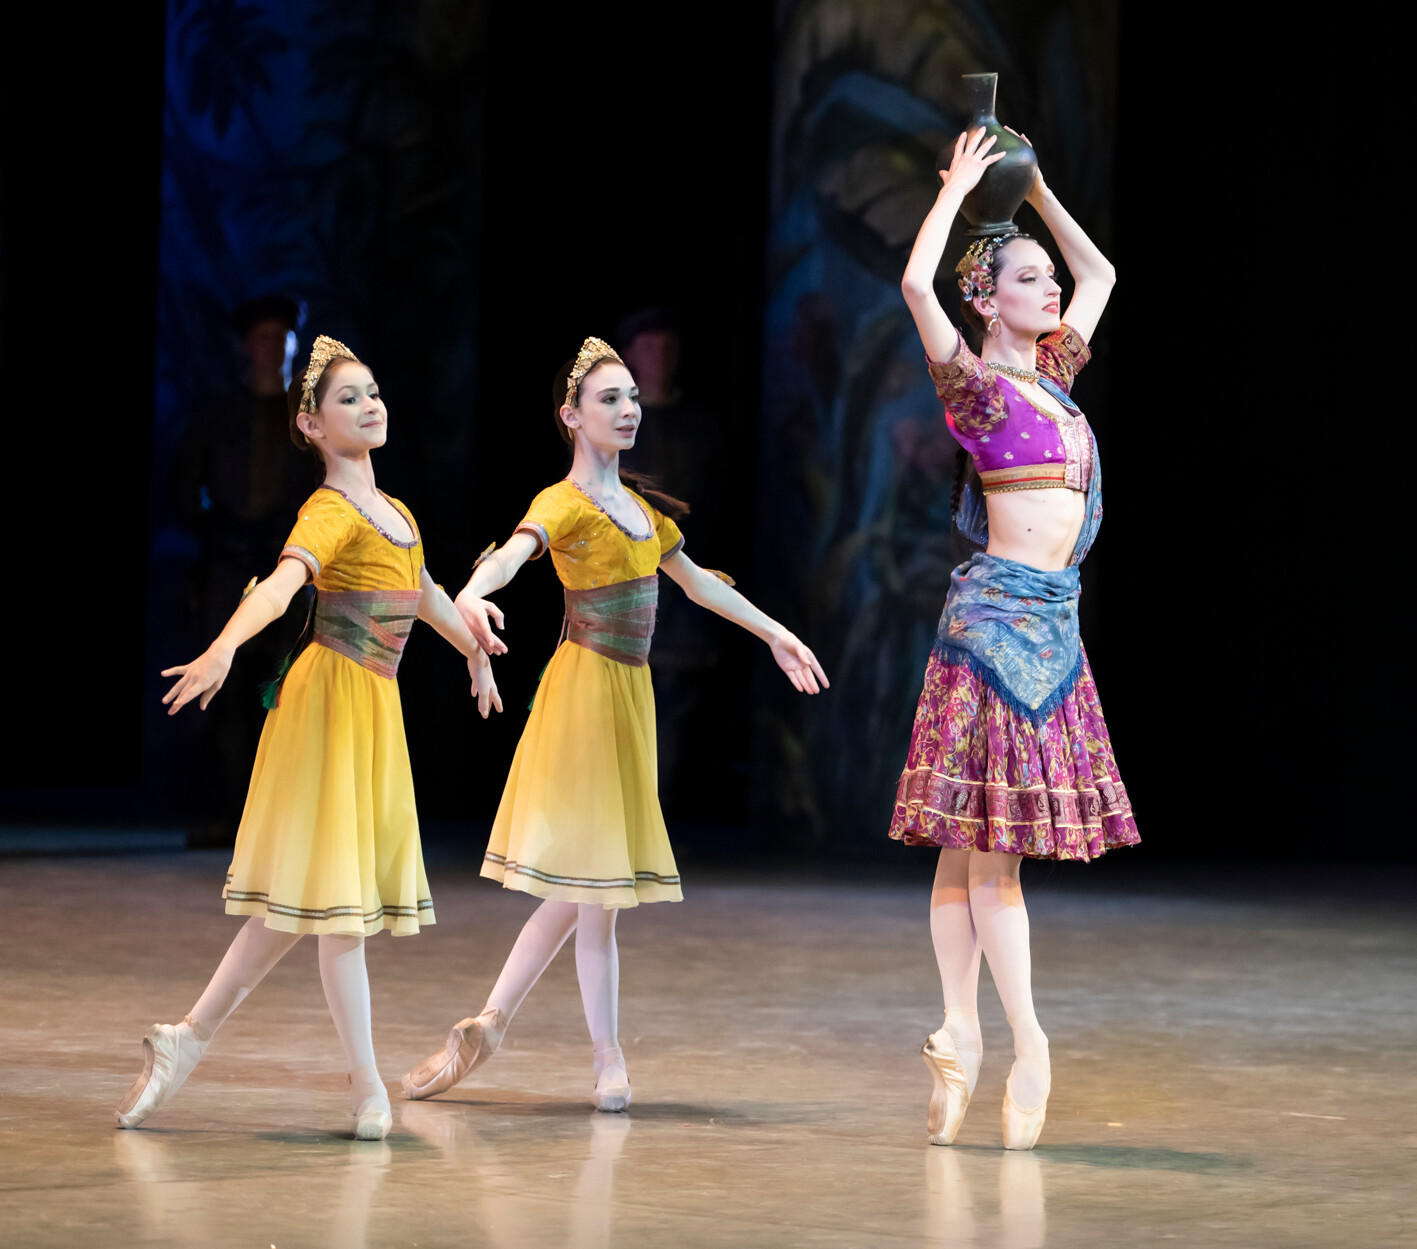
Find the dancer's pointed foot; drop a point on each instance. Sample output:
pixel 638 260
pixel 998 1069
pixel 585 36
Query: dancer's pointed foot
pixel 612 1081
pixel 470 1044
pixel 949 1098
pixel 170 1052
pixel 963 1027
pixel 1026 1096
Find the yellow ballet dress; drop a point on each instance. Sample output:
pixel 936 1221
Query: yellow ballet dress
pixel 328 841
pixel 579 819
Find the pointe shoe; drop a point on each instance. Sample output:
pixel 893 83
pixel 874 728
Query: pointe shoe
pixel 169 1055
pixel 949 1098
pixel 373 1118
pixel 470 1044
pixel 612 1082
pixel 1022 1127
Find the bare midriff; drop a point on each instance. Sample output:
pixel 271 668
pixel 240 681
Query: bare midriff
pixel 1036 527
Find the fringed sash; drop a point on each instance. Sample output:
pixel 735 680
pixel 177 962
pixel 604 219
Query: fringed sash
pixel 616 621
pixel 367 626
pixel 1017 627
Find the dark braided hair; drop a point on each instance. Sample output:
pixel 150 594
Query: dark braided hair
pixel 964 466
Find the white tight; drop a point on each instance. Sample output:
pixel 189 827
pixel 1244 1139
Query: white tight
pixel 343 973
pixel 977 905
pixel 597 964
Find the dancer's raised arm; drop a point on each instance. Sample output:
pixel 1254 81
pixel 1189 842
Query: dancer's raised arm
pixel 1092 273
pixel 793 656
pixel 971 158
pixel 265 602
pixel 436 608
pixel 492 573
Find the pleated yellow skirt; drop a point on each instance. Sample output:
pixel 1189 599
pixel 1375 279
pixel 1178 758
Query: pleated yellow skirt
pixel 579 819
pixel 328 841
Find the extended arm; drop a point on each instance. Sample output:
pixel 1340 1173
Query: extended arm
pixel 436 608
pixel 792 656
pixel 266 602
pixel 1092 273
pixel 492 574
pixel 967 166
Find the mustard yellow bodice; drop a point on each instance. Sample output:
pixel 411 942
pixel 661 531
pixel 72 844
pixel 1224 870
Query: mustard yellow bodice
pixel 344 549
pixel 588 547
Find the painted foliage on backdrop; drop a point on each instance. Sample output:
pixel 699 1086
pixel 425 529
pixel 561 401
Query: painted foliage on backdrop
pixel 858 462
pixel 329 149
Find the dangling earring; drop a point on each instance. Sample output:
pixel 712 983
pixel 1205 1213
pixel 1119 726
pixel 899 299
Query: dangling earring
pixel 994 325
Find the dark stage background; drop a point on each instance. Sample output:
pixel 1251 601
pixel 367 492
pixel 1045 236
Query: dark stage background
pixel 463 191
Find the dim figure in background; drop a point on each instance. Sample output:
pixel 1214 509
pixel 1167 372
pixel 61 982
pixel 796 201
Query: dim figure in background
pixel 580 825
pixel 681 448
pixel 238 481
pixel 1009 756
pixel 328 842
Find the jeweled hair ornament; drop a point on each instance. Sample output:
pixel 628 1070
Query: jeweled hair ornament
pixel 976 268
pixel 322 353
pixel 976 275
pixel 593 351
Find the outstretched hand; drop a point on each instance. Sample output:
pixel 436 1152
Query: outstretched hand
pixel 477 614
pixel 201 678
pixel 484 685
pixel 795 658
pixel 971 158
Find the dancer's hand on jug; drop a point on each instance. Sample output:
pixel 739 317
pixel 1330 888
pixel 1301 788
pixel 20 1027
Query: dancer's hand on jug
pixel 971 158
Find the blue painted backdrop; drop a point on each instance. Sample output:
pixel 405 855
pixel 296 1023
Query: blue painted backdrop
pixel 857 462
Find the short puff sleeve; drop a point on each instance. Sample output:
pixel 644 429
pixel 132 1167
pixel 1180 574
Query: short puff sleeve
pixel 552 517
pixel 970 390
pixel 1061 354
pixel 671 539
pixel 324 527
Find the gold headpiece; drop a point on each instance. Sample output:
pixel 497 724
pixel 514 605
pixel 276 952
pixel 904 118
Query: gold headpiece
pixel 324 350
pixel 592 352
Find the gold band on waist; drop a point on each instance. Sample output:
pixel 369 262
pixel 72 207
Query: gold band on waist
pixel 1024 477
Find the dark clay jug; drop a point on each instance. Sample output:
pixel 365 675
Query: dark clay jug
pixel 991 206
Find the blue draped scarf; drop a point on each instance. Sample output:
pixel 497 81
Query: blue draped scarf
pixel 1017 627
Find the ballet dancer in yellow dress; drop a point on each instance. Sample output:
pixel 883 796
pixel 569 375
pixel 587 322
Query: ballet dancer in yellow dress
pixel 328 842
pixel 579 823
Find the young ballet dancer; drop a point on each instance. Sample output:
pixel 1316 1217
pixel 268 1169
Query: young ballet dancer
pixel 579 823
pixel 328 842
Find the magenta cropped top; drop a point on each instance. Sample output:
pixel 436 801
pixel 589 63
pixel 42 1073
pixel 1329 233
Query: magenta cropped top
pixel 1015 444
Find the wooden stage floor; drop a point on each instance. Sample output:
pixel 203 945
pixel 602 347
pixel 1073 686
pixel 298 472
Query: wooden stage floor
pixel 1236 1070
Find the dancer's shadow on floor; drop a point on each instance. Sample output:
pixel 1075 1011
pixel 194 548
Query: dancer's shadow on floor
pixel 514 1104
pixel 1140 1158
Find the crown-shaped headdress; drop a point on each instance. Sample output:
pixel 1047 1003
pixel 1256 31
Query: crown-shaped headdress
pixel 324 350
pixel 592 352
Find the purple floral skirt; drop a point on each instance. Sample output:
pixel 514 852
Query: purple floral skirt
pixel 982 775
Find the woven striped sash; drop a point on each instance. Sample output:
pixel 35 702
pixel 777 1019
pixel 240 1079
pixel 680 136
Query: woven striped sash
pixel 616 621
pixel 367 626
